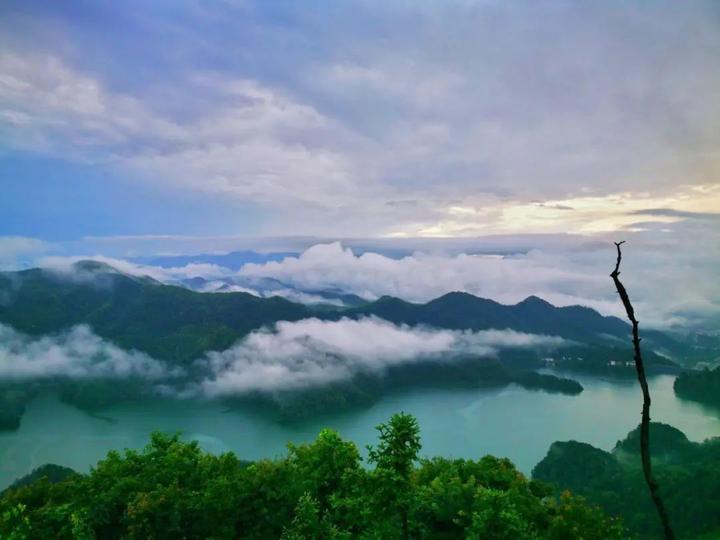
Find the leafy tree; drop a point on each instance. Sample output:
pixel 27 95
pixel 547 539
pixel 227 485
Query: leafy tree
pixel 17 521
pixel 172 489
pixel 394 459
pixel 325 468
pixel 498 518
pixel 575 519
pixel 309 523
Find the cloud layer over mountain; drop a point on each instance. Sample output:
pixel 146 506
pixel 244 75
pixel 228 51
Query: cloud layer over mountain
pixel 312 352
pixel 290 355
pixel 669 272
pixel 76 354
pixel 671 288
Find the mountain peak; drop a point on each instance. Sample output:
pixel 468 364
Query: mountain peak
pixel 95 267
pixel 103 269
pixel 388 299
pixel 533 300
pixel 459 296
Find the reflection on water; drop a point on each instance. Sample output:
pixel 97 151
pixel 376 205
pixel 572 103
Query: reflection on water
pixel 512 422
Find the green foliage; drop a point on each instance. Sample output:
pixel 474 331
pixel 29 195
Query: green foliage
pixel 399 446
pixel 169 323
pixel 394 458
pixel 498 516
pixel 172 489
pixel 53 473
pixel 325 469
pixel 574 518
pixel 17 522
pixel 13 398
pixel 179 325
pixel 688 474
pixel 463 311
pixel 308 523
pixel 701 386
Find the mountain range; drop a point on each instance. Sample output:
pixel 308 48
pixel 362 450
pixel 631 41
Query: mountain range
pixel 233 260
pixel 175 323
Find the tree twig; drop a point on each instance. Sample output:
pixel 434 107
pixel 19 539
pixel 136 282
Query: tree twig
pixel 645 423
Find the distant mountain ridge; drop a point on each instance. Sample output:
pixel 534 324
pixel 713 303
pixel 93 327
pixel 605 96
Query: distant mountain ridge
pixel 165 321
pixel 464 311
pixel 267 286
pixel 172 322
pixel 233 260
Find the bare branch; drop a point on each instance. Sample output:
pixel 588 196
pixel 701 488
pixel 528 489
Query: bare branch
pixel 616 272
pixel 645 421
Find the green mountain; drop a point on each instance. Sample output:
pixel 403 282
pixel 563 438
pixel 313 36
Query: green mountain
pixel 702 386
pixel 178 325
pixel 53 473
pixel 688 474
pixel 167 322
pixel 174 323
pixel 463 311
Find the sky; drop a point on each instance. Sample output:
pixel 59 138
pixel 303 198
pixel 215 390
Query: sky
pixel 132 128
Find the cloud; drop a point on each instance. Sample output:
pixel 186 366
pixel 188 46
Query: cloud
pixel 17 251
pixel 471 110
pixel 577 274
pixel 421 277
pixel 215 278
pixel 76 354
pixel 256 143
pixel 47 106
pixel 290 355
pixel 677 258
pixel 670 212
pixel 69 268
pixel 312 352
pixel 677 255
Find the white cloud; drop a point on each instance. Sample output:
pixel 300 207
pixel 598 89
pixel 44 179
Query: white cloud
pixel 577 275
pixel 312 352
pixel 422 277
pixel 50 107
pixel 291 355
pixel 486 108
pixel 17 250
pixel 212 274
pixel 256 143
pixel 67 266
pixel 77 354
pixel 677 258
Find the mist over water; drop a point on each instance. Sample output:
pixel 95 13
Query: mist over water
pixel 510 422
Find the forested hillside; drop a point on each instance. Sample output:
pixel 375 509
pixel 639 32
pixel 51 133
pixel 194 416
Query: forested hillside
pixel 688 474
pixel 177 324
pixel 701 386
pixel 167 322
pixel 320 490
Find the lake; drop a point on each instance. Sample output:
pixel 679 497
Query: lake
pixel 512 422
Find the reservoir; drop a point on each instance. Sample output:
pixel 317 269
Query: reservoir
pixel 509 422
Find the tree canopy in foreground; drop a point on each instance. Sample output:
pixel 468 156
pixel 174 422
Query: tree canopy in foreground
pixel 172 489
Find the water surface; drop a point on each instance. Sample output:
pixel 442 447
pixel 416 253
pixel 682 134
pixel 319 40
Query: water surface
pixel 512 422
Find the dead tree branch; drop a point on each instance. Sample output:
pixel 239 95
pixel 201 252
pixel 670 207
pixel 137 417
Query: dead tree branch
pixel 645 423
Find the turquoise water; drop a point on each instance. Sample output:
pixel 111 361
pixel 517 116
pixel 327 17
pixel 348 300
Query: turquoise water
pixel 512 422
